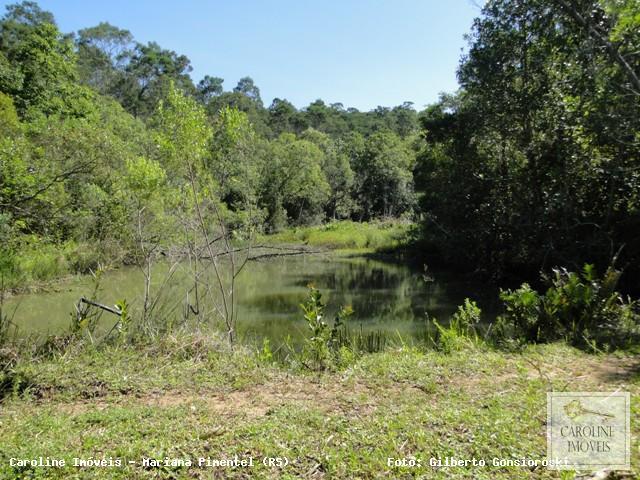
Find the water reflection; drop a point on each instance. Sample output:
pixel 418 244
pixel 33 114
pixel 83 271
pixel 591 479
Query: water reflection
pixel 385 296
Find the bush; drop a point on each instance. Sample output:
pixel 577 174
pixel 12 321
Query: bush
pixel 461 331
pixel 42 262
pixel 323 349
pixel 581 308
pixel 83 257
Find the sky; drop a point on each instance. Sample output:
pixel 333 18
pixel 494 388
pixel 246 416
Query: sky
pixel 361 53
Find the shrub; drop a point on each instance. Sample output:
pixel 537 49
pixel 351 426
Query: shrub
pixel 323 349
pixel 581 308
pixel 83 258
pixel 461 331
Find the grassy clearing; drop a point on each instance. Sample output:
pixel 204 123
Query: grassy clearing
pixel 346 234
pixel 190 398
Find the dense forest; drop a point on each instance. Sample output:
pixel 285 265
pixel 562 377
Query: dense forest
pixel 532 164
pixel 89 134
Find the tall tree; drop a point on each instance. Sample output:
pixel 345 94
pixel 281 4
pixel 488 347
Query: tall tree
pixel 247 87
pixel 532 164
pixel 148 73
pixel 19 20
pixel 103 52
pixel 209 87
pixel 294 185
pixel 234 159
pixel 384 180
pixel 337 170
pixel 45 73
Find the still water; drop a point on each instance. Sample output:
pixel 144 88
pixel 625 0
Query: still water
pixel 386 296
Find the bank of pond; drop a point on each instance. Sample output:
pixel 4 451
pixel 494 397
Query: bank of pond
pixel 390 297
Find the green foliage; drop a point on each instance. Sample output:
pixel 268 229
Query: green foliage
pixel 181 133
pixel 234 160
pixel 355 342
pixel 265 354
pixel 461 332
pixel 101 136
pixel 101 50
pixel 384 179
pixel 84 320
pixel 346 234
pixel 532 163
pixel 294 183
pixel 522 311
pixel 124 323
pixel 148 199
pixel 9 122
pixel 148 75
pixel 581 308
pixel 323 349
pixel 41 262
pixel 46 66
pixel 144 177
pixel 318 345
pixel 337 170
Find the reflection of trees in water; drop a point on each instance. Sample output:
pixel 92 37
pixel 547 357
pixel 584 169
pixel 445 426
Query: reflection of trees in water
pixel 286 302
pixel 381 293
pixel 384 296
pixel 353 276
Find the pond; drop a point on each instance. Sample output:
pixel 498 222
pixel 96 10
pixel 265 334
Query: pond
pixel 386 296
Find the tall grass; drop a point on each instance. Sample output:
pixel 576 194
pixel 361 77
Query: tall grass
pixel 347 235
pixel 37 262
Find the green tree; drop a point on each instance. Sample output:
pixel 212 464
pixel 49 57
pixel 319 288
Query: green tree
pixel 209 87
pixel 148 74
pixel 103 51
pixel 337 170
pixel 247 87
pixel 384 180
pixel 234 159
pixel 45 63
pixel 257 115
pixel 294 186
pixel 284 117
pixel 19 21
pixel 182 135
pixel 531 165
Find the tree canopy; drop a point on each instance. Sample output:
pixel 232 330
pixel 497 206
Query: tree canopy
pixel 533 163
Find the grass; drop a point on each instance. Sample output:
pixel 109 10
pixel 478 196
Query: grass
pixel 380 235
pixel 37 263
pixel 192 397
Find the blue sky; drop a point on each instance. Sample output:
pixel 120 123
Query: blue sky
pixel 362 53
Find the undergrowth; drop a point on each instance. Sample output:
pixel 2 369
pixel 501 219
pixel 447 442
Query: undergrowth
pixel 346 234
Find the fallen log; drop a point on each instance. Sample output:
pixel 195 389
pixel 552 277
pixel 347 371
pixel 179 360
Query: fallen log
pixel 288 251
pixel 114 310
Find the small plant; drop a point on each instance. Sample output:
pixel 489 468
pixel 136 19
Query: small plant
pixel 316 350
pixel 124 323
pixel 359 341
pixel 85 318
pixel 324 346
pixel 461 331
pixel 522 312
pixel 265 354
